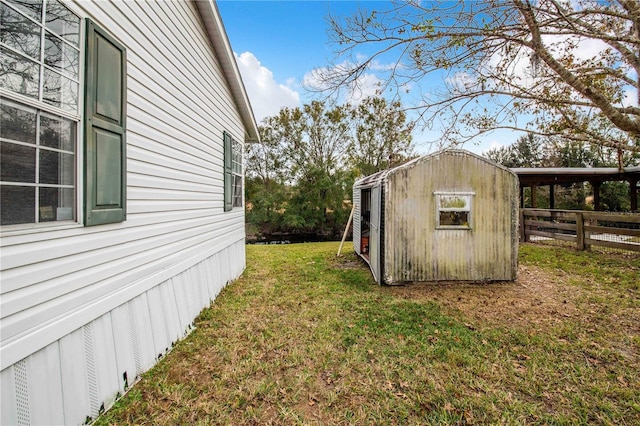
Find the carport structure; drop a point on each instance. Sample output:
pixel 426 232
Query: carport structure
pixel 535 177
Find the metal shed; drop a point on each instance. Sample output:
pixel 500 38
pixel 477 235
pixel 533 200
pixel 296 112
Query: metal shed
pixel 450 215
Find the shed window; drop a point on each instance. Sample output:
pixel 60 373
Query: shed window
pixel 454 210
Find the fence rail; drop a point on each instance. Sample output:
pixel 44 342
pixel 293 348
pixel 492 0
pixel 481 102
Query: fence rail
pixel 583 228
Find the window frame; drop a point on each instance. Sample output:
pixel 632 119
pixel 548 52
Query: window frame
pixel 467 195
pixel 233 173
pixel 41 106
pixel 80 118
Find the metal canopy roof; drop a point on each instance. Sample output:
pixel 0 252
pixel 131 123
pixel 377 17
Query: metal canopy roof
pixel 557 175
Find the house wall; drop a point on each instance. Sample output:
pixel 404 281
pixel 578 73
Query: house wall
pixel 416 251
pixel 81 306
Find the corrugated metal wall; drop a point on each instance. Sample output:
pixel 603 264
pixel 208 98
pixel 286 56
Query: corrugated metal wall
pixel 70 292
pixel 357 212
pixel 375 234
pixel 416 251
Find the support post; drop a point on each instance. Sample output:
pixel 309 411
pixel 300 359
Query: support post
pixel 580 231
pixel 552 196
pixel 633 194
pixel 346 229
pixel 596 195
pixel 523 230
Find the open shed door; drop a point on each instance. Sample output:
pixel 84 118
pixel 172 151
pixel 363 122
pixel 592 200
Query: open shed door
pixel 374 241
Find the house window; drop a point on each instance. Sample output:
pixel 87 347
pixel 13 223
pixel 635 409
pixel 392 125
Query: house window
pixel 232 173
pixel 41 120
pixel 39 116
pixel 453 210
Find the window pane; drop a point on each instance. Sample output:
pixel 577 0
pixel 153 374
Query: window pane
pixel 60 55
pixel 17 204
pixel 453 202
pixel 454 218
pixel 56 168
pixel 237 157
pixel 19 33
pixel 62 21
pixel 31 8
pixel 17 163
pixel 60 91
pixel 56 204
pixel 17 123
pixel 19 74
pixel 57 132
pixel 237 191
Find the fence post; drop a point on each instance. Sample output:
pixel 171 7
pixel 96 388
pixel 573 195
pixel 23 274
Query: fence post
pixel 523 231
pixel 580 231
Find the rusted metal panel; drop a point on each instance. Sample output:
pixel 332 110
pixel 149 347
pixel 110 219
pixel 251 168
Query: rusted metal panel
pixel 374 241
pixel 415 250
pixel 451 215
pixel 356 219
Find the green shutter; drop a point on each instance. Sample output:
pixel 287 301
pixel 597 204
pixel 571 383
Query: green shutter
pixel 228 172
pixel 105 157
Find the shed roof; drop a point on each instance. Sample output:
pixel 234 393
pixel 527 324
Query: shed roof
pixel 220 42
pixel 374 179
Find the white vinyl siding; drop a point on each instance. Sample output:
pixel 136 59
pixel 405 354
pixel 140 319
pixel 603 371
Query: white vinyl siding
pixel 57 280
pixel 84 370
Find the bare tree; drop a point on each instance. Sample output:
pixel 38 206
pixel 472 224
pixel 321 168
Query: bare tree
pixel 567 67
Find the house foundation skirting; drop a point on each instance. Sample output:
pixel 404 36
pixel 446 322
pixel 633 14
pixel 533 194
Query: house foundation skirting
pixel 75 378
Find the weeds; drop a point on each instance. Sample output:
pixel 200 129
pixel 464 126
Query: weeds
pixel 307 338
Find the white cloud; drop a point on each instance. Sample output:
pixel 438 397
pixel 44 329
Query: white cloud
pixel 461 82
pixel 267 96
pixel 368 85
pixel 495 145
pixel 365 86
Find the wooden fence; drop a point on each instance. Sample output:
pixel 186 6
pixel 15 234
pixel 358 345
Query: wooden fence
pixel 583 228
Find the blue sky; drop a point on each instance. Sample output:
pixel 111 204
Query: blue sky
pixel 278 43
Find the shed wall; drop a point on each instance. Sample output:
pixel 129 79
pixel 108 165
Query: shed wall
pixel 57 281
pixel 416 251
pixel 357 218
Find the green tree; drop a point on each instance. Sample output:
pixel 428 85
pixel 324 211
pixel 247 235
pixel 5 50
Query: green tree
pixel 382 136
pixel 299 170
pixel 265 182
pixel 300 175
pixel 499 59
pixel 527 151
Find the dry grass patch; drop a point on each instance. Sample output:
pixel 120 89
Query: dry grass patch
pixel 307 338
pixel 534 300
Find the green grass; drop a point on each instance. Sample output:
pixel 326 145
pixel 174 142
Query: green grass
pixel 307 338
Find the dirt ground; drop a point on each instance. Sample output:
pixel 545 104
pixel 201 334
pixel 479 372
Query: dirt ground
pixel 534 300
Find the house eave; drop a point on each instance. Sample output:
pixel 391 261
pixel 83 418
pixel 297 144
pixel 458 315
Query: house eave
pixel 220 42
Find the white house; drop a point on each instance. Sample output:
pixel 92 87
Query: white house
pixel 122 132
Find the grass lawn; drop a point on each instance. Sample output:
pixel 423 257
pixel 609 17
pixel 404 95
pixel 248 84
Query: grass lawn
pixel 307 338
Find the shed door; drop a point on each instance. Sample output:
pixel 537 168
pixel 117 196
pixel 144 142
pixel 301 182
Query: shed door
pixel 374 242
